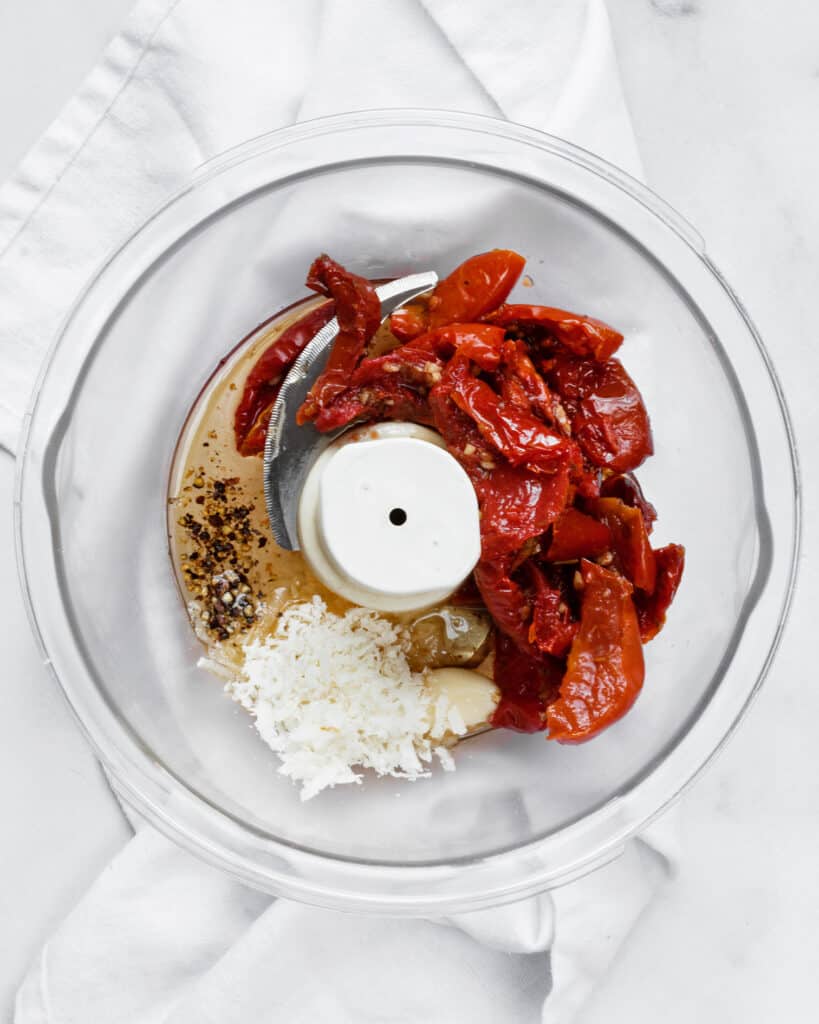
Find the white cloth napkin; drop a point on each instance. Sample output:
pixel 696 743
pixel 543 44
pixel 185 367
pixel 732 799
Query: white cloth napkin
pixel 161 937
pixel 187 79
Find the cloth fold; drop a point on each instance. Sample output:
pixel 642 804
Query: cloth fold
pixel 161 937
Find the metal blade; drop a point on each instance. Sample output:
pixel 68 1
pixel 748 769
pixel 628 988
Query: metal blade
pixel 290 450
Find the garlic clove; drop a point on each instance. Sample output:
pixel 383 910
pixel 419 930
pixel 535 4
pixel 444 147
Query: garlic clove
pixel 471 694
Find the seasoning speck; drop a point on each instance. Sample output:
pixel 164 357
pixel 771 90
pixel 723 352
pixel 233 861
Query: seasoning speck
pixel 217 564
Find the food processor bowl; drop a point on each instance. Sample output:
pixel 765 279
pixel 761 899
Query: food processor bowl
pixel 388 193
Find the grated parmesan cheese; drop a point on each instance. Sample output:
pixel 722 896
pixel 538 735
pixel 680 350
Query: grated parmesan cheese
pixel 330 693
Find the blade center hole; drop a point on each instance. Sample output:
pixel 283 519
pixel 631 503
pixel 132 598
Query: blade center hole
pixel 398 516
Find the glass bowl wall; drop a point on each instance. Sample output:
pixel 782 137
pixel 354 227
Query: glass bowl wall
pixel 388 193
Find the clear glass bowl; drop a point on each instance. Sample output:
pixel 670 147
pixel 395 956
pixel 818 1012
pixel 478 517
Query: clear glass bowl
pixel 387 193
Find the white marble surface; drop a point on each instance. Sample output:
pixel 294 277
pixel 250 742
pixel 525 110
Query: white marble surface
pixel 725 98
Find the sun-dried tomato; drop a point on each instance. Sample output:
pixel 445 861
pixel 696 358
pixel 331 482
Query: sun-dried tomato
pixel 609 420
pixel 651 608
pixel 264 380
pixel 473 289
pixel 581 335
pixel 605 668
pixel 358 310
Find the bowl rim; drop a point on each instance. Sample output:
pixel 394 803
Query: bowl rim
pixel 153 781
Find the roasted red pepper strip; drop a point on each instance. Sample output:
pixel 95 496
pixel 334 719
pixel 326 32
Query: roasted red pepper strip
pixel 576 535
pixel 526 683
pixel 410 321
pixel 517 505
pixel 632 548
pixel 475 288
pixel 513 392
pixel 406 365
pixel 625 487
pixel 469 445
pixel 254 441
pixel 605 668
pixel 518 367
pixel 651 608
pixel 358 310
pixel 264 380
pixel 520 714
pixel 523 439
pixel 385 401
pixel 552 628
pixel 505 600
pixel 581 335
pixel 472 290
pixel 480 343
pixel 609 420
pixel 458 431
pixel 391 387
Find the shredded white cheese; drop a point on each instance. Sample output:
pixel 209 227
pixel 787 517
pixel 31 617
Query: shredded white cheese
pixel 330 693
